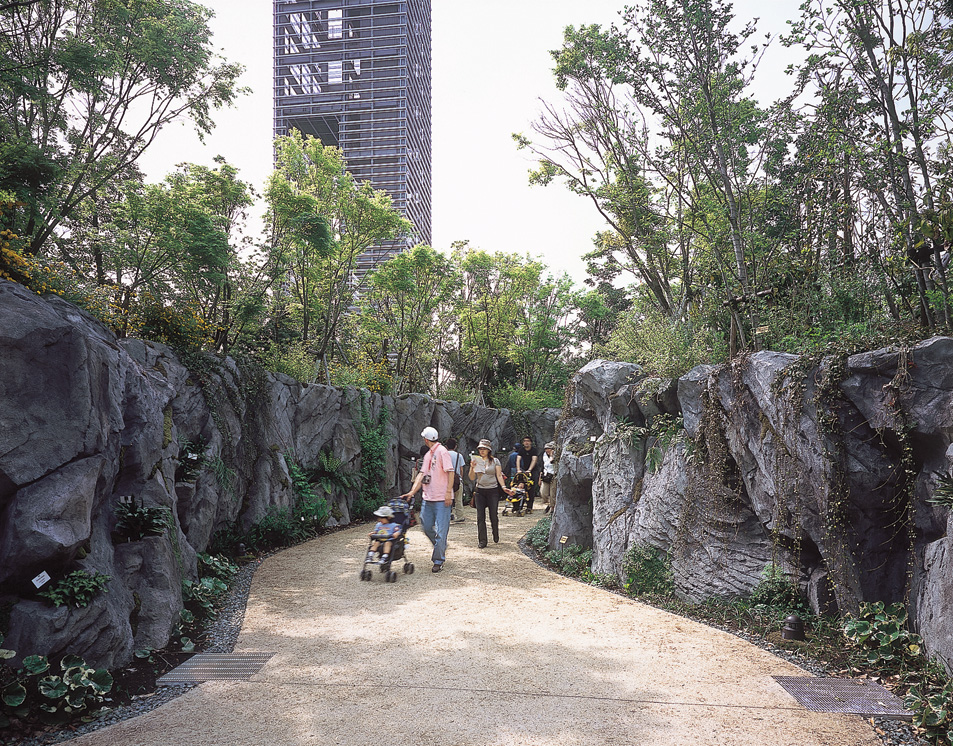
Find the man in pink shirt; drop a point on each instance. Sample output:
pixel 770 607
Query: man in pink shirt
pixel 436 478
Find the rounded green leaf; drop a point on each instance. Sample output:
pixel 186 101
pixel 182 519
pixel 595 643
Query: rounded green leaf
pixel 7 654
pixel 35 664
pixel 14 695
pixel 101 680
pixel 72 661
pixel 52 687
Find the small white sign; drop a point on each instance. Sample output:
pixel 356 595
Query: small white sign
pixel 593 438
pixel 42 579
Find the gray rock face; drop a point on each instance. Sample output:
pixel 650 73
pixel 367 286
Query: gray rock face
pixel 86 419
pixel 825 472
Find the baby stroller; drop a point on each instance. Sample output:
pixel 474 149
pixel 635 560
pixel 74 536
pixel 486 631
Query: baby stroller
pixel 403 517
pixel 517 503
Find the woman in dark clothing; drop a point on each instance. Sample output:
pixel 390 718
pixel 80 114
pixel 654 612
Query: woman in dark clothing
pixel 487 472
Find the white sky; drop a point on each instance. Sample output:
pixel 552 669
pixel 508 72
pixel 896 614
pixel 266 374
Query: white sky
pixel 491 65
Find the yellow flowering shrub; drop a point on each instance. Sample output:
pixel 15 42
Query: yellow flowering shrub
pixel 375 376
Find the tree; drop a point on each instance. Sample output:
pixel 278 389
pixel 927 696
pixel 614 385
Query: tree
pixel 85 87
pixel 658 116
pixel 322 220
pixel 400 315
pixel 894 56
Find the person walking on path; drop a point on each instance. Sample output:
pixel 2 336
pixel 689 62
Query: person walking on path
pixel 509 471
pixel 436 479
pixel 527 459
pixel 456 511
pixel 487 472
pixel 547 487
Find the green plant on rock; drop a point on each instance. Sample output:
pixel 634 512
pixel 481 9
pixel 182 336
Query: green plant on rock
pixel 647 571
pixel 135 521
pixel 216 566
pixel 943 492
pixel 191 459
pixel 880 635
pixel 52 694
pixel 575 561
pixel 328 477
pixel 374 441
pixel 77 589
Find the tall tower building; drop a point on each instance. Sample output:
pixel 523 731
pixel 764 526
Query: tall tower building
pixel 356 74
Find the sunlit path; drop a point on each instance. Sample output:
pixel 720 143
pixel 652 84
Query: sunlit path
pixel 493 650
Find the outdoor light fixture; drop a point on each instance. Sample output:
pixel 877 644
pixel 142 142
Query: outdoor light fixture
pixel 793 628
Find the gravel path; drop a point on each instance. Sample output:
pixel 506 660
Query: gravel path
pixel 493 650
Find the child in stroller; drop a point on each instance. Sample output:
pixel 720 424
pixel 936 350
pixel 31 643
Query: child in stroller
pixel 389 540
pixel 521 484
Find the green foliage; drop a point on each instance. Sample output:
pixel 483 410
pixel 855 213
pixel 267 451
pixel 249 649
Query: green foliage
pixel 77 589
pixel 292 359
pixel 943 492
pixel 880 636
pixel 311 508
pixel 201 598
pixel 574 561
pixel 39 691
pixel 647 571
pixel 538 536
pixel 191 459
pixel 87 87
pixel 374 442
pixel 216 566
pixel 328 476
pixel 779 592
pixel 135 521
pixel 516 399
pixel 931 702
pixel 666 347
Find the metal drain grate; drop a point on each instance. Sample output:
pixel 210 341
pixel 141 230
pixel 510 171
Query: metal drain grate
pixel 216 667
pixel 847 696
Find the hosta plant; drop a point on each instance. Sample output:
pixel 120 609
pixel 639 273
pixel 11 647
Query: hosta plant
pixel 49 693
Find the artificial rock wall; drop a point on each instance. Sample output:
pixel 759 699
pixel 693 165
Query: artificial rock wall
pixel 86 418
pixel 826 470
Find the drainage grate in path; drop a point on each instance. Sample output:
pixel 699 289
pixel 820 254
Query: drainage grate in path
pixel 847 696
pixel 216 667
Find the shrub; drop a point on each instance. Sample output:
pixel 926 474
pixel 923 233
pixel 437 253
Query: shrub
pixel 182 328
pixel 77 589
pixel 779 592
pixel 664 346
pixel 364 374
pixel 52 694
pixel 647 571
pixel 374 443
pixel 519 399
pixel 574 560
pixel 292 359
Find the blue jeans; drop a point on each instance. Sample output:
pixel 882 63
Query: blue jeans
pixel 435 521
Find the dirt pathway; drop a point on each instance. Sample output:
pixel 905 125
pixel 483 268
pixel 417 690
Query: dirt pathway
pixel 493 650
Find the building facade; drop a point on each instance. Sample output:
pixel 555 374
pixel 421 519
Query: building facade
pixel 356 74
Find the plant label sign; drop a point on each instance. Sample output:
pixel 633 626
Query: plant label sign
pixel 563 539
pixel 42 579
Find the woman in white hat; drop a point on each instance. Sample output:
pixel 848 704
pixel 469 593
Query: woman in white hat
pixel 487 471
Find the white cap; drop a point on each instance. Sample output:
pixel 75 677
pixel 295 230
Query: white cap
pixel 429 433
pixel 384 511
